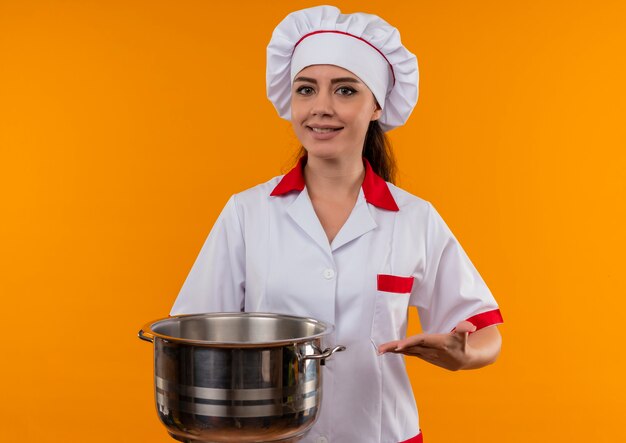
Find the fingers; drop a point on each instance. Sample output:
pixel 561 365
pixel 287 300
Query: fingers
pixel 387 347
pixel 464 327
pixel 421 340
pixel 427 354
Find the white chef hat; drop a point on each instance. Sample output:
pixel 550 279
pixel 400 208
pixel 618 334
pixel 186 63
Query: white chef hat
pixel 364 44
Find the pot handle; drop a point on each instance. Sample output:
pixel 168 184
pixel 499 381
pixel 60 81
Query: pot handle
pixel 145 336
pixel 326 353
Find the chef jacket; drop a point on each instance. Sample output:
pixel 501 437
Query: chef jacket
pixel 268 252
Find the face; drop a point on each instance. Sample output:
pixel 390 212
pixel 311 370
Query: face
pixel 331 109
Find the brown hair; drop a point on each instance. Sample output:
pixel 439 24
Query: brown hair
pixel 377 150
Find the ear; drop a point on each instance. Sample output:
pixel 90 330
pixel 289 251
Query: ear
pixel 377 112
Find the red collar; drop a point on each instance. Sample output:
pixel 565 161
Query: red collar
pixel 375 188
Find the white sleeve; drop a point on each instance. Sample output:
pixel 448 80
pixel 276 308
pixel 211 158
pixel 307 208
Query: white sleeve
pixel 451 289
pixel 216 282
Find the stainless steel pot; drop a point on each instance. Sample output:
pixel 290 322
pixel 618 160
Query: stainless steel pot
pixel 238 377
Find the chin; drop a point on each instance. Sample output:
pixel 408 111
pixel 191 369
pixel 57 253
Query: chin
pixel 321 151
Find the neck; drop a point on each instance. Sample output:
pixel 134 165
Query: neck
pixel 336 178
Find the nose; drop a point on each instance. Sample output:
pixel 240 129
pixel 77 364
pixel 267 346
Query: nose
pixel 322 105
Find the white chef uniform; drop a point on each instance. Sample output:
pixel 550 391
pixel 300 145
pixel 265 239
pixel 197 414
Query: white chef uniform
pixel 268 252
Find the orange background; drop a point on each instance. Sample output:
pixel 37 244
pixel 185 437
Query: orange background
pixel 126 125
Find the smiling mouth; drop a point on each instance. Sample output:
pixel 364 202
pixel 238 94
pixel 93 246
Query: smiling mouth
pixel 323 130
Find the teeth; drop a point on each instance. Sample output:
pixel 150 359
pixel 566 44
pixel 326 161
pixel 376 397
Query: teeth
pixel 324 130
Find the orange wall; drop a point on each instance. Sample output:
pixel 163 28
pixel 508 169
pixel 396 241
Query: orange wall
pixel 125 126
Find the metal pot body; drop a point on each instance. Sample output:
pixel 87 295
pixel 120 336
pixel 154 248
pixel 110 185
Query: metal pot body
pixel 238 377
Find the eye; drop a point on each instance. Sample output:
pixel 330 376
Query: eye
pixel 304 90
pixel 346 90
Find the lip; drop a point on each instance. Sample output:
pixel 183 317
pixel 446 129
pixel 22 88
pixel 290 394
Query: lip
pixel 325 135
pixel 324 126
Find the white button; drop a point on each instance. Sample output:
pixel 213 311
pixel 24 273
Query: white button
pixel 328 274
pixel 322 439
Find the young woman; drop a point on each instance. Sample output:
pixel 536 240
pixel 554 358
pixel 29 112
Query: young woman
pixel 335 240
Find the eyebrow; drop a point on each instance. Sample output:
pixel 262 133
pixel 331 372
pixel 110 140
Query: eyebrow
pixel 332 81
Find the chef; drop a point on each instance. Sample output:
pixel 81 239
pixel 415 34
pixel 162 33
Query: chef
pixel 335 240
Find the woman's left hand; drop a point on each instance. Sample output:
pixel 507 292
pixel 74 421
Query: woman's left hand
pixel 451 351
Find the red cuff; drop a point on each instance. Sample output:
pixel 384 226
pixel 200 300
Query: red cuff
pixel 486 319
pixel 417 439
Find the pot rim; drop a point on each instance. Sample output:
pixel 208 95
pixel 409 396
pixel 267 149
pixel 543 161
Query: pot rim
pixel 147 333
